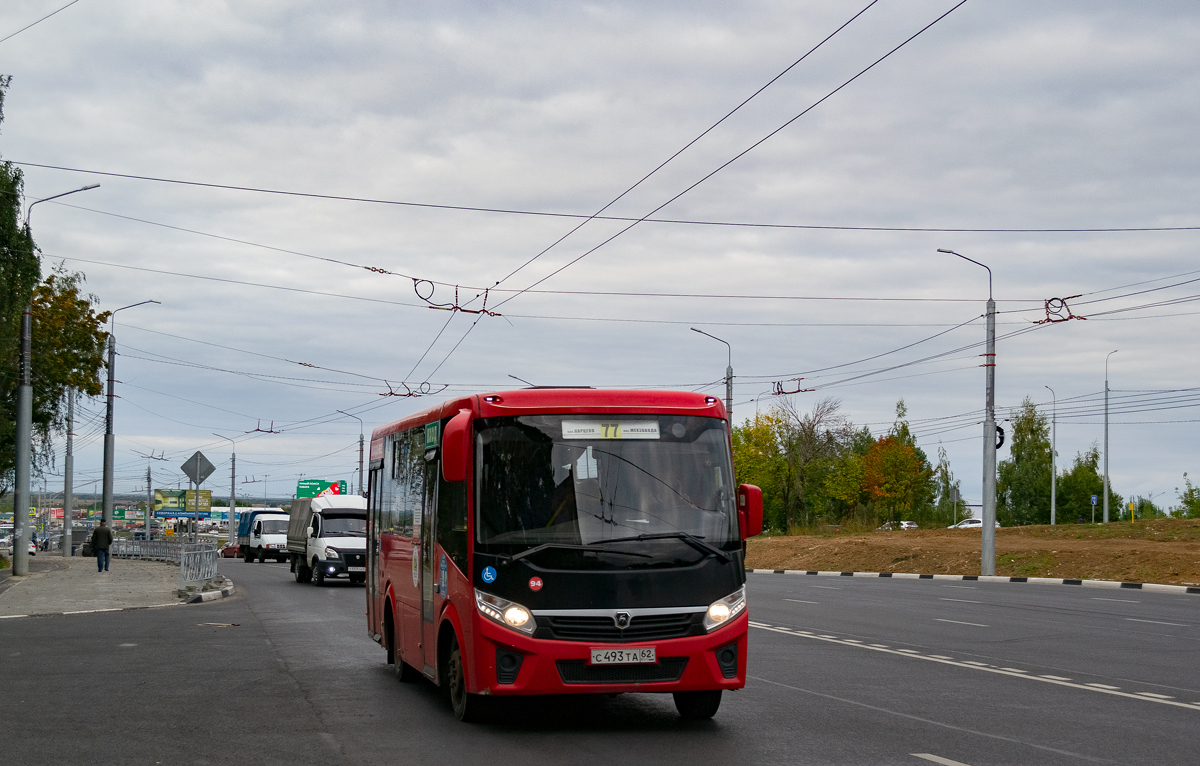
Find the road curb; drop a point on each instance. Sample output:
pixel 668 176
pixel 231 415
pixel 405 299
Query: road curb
pixel 1149 586
pixel 211 595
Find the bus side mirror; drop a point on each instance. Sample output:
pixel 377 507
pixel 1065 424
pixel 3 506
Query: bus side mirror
pixel 750 510
pixel 456 440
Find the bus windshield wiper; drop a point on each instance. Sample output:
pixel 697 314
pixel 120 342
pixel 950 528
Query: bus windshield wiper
pixel 691 540
pixel 506 559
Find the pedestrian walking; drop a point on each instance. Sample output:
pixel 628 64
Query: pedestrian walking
pixel 102 538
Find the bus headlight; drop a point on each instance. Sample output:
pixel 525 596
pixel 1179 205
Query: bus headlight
pixel 721 612
pixel 504 612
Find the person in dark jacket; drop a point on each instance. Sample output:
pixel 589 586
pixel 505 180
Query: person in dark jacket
pixel 102 538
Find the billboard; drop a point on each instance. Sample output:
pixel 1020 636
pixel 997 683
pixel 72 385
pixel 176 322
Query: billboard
pixel 319 488
pixel 181 503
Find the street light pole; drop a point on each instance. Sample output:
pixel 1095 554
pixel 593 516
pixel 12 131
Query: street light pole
pixel 232 486
pixel 1110 353
pixel 728 376
pixel 110 442
pixel 360 450
pixel 69 474
pixel 23 441
pixel 987 555
pixel 1053 447
pixel 24 446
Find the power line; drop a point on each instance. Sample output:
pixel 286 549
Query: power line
pixel 626 219
pixel 39 21
pixel 688 145
pixel 743 153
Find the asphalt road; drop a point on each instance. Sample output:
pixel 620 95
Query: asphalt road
pixel 843 671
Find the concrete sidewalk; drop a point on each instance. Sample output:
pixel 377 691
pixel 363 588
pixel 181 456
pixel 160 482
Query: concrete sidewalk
pixel 56 585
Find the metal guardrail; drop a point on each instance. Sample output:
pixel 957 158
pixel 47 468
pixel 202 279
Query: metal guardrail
pixel 197 561
pixel 155 550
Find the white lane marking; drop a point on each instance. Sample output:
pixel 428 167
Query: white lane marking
pixel 1156 622
pixel 798 601
pixel 1156 696
pixel 1054 678
pixel 964 587
pixel 93 611
pixel 1122 600
pixel 827 587
pixel 1015 670
pixel 126 645
pixel 937 759
pixel 940 657
pixel 1103 686
pixel 960 622
pixel 11 616
pixel 879 646
pixel 972 665
pixel 963 600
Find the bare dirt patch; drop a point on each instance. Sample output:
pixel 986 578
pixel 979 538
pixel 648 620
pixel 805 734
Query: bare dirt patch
pixel 1159 551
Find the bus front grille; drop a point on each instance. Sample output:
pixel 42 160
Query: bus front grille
pixel 579 672
pixel 646 627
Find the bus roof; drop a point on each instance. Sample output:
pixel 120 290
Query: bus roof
pixel 562 401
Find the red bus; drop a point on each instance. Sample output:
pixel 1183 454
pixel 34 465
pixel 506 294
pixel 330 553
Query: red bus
pixel 561 541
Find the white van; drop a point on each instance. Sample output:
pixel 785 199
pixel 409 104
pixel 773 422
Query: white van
pixel 327 537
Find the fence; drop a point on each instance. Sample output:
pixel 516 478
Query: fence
pixel 197 561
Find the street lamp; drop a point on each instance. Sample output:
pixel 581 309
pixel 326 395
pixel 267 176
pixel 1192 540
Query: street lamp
pixel 1053 447
pixel 1110 353
pixel 23 438
pixel 110 443
pixel 988 548
pixel 360 449
pixel 232 486
pixel 728 376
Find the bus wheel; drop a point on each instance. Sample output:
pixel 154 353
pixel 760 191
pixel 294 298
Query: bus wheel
pixel 697 706
pixel 404 672
pixel 467 707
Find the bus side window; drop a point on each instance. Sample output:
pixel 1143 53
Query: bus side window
pixel 414 461
pixel 374 492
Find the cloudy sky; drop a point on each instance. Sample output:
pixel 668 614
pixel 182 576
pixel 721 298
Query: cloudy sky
pixel 1001 116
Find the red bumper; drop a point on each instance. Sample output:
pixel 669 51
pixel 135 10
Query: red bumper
pixel 540 672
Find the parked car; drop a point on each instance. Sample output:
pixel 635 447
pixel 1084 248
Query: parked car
pixel 229 551
pixel 888 526
pixel 908 525
pixel 970 524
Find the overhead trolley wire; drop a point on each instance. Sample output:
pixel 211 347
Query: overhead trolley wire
pixel 743 153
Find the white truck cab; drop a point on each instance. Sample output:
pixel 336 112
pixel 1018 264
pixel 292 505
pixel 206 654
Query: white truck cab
pixel 327 537
pixel 263 534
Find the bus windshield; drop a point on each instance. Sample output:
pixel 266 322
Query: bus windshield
pixel 586 479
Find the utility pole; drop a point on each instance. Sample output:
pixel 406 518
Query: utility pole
pixel 232 485
pixel 24 445
pixel 110 443
pixel 109 439
pixel 728 376
pixel 360 450
pixel 987 556
pixel 69 474
pixel 1053 453
pixel 1110 353
pixel 148 526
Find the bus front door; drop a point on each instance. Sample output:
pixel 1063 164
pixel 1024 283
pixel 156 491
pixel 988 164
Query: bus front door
pixel 429 570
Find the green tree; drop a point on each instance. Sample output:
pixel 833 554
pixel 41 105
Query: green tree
pixel 1077 485
pixel 946 509
pixel 758 460
pixel 1023 485
pixel 1189 500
